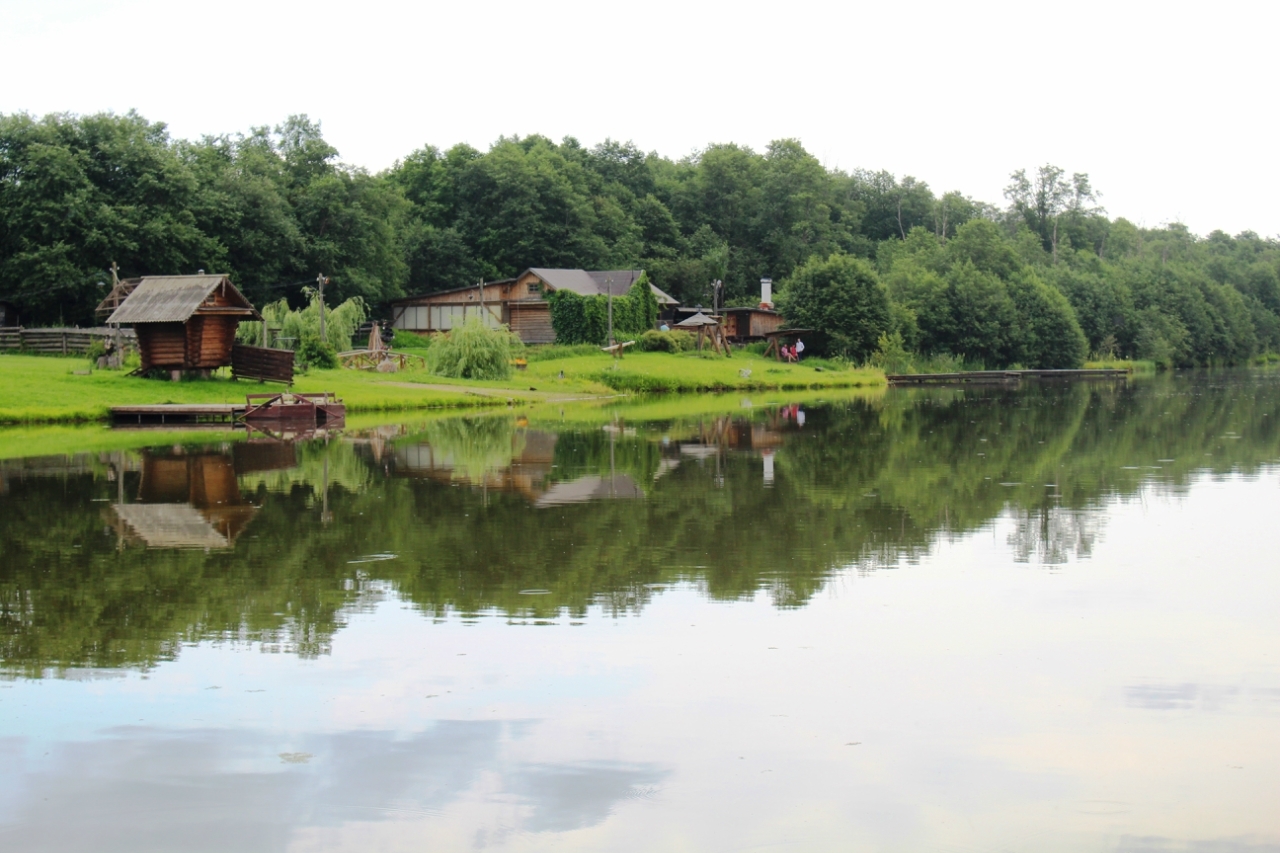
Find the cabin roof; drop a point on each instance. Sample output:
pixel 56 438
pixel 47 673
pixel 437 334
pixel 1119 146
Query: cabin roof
pixel 175 298
pixel 596 282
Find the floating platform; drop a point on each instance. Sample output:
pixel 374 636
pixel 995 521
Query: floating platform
pixel 306 410
pixel 177 413
pixel 1002 376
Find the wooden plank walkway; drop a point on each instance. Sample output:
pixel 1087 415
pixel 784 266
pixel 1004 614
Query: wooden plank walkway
pixel 178 413
pixel 993 376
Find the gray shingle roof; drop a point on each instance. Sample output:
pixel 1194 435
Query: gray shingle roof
pixel 172 299
pixel 596 282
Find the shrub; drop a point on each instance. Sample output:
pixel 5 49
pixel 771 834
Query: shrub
pixel 676 340
pixel 472 351
pixel 313 352
pixel 97 349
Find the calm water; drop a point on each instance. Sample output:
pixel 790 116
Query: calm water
pixel 925 620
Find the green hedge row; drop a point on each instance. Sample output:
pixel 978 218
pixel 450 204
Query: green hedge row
pixel 585 319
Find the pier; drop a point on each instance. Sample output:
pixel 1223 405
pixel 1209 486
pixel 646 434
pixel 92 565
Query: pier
pixel 177 413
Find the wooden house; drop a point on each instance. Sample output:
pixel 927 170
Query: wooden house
pixel 518 303
pixel 742 325
pixel 184 322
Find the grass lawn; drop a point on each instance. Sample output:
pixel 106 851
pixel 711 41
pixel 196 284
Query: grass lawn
pixel 35 389
pixel 657 371
pixel 46 389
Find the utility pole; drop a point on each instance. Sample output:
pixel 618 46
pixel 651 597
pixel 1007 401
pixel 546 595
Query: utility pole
pixel 320 280
pixel 484 321
pixel 608 283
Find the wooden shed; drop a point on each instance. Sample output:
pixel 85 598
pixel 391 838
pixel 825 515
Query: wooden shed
pixel 742 325
pixel 185 322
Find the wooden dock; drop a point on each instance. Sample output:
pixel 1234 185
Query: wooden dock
pixel 178 413
pixel 987 377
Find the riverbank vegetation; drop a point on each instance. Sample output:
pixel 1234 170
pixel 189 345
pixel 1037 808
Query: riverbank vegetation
pixel 1043 279
pixel 55 389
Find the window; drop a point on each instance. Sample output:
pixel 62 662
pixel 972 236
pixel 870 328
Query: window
pixel 535 288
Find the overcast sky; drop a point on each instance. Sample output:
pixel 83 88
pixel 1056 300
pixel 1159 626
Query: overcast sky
pixel 1168 106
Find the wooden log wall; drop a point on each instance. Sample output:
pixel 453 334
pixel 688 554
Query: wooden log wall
pixel 162 345
pixel 209 341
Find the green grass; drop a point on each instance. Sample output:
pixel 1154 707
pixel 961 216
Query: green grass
pixel 37 389
pixel 41 389
pixel 687 372
pixel 1137 366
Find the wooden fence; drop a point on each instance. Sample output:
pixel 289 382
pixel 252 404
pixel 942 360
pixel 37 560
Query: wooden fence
pixel 265 365
pixel 61 341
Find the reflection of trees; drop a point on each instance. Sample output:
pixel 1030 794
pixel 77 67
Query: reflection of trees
pixel 1051 535
pixel 863 484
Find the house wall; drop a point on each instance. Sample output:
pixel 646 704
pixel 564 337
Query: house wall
pixel 442 315
pixel 209 341
pixel 532 322
pixel 162 344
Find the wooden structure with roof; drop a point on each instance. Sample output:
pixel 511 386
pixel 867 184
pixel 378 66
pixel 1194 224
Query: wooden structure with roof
pixel 708 328
pixel 184 322
pixel 518 303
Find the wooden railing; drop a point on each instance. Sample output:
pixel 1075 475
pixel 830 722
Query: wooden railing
pixel 61 341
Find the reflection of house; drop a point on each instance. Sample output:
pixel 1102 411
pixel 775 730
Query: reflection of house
pixel 526 473
pixel 519 302
pixel 193 500
pixel 591 488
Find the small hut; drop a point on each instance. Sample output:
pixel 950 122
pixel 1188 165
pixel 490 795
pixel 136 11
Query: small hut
pixel 185 322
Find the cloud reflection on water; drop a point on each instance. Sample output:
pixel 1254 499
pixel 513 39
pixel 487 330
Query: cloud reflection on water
pixel 140 789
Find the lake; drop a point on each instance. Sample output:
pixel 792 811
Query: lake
pixel 1038 618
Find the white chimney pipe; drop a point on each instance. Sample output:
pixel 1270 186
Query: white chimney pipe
pixel 766 293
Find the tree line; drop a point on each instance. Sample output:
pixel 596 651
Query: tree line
pixel 1044 279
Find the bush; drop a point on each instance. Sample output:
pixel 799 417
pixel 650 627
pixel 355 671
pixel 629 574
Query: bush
pixel 676 340
pixel 313 352
pixel 97 349
pixel 473 351
pixel 584 319
pixel 842 297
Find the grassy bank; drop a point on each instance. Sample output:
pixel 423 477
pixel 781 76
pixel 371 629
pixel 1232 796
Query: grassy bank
pixel 687 372
pixel 42 389
pixel 36 389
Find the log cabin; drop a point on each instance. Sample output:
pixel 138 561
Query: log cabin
pixel 185 322
pixel 518 303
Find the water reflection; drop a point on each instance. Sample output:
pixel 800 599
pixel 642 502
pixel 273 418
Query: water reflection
pixel 985 618
pixel 245 795
pixel 269 542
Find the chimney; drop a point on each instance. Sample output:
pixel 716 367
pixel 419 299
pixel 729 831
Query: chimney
pixel 766 293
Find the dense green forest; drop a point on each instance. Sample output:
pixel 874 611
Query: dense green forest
pixel 1043 279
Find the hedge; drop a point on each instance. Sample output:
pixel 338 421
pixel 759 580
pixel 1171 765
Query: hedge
pixel 585 319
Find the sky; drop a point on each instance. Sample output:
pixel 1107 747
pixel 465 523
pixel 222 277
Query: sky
pixel 1168 107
